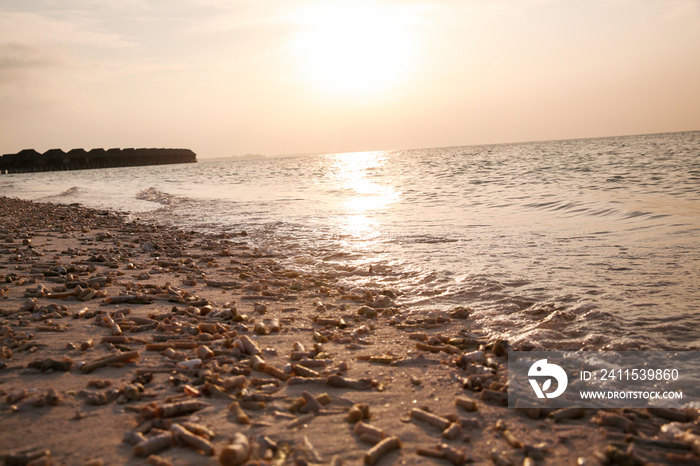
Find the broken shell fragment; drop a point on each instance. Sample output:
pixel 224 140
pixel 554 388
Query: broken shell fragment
pixel 313 362
pixel 358 412
pixel 154 444
pixel 237 452
pixel 430 418
pixel 119 358
pixel 369 438
pixel 190 364
pixel 453 455
pixel 199 429
pixel 275 326
pixel 453 431
pixel 84 346
pixel 204 352
pixel 236 381
pixel 249 345
pixel 195 441
pixel 275 372
pixel 206 327
pixel 477 357
pixel 310 402
pixel 420 336
pixel 344 382
pixel 303 371
pixel 364 428
pixel 466 403
pixel 375 453
pixel 179 409
pixel 257 363
pixel 512 440
pixel 173 354
pixel 261 329
pixel 134 438
pixel 238 413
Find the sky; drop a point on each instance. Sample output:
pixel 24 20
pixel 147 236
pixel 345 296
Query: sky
pixel 272 77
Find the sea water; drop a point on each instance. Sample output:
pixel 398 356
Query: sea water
pixel 577 244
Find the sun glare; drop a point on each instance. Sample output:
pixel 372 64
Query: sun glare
pixel 353 49
pixel 353 172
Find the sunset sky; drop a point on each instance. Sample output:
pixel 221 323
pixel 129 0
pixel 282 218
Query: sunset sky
pixel 230 77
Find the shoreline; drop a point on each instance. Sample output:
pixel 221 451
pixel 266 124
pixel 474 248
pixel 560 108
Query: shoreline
pixel 157 298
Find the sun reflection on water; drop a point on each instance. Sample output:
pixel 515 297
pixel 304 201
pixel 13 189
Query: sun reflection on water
pixel 357 172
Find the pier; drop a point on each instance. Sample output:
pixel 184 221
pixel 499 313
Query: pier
pixel 29 160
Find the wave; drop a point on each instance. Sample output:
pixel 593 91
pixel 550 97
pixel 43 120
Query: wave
pixel 72 191
pixel 594 209
pixel 154 195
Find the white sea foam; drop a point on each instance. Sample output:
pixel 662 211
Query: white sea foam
pixel 72 191
pixel 154 195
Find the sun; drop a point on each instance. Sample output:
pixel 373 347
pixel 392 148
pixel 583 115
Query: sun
pixel 353 49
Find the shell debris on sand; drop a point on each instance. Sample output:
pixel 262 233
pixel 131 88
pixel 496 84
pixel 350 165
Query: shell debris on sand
pixel 182 347
pixel 376 453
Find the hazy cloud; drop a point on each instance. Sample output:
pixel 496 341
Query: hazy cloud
pixel 33 28
pixel 15 56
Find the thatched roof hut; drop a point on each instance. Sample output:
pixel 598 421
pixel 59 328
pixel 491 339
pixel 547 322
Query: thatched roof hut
pixel 54 154
pixel 26 154
pixel 77 159
pixel 77 153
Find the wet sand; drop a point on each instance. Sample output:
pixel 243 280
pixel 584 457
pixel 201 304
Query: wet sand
pixel 209 339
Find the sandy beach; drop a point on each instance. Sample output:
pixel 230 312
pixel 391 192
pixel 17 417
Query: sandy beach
pixel 114 333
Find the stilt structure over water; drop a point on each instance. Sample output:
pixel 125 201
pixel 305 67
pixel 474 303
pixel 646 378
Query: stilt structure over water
pixel 30 160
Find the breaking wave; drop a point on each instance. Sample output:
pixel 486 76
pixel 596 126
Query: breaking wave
pixel 153 195
pixel 72 191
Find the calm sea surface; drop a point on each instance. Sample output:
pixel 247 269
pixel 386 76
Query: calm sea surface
pixel 573 244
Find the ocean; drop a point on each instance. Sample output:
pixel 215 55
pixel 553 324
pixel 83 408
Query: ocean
pixel 576 244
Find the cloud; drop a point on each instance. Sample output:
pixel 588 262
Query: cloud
pixel 18 61
pixel 17 56
pixel 216 16
pixel 38 29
